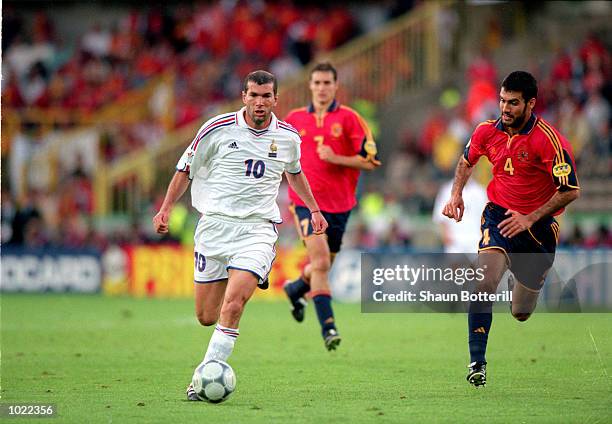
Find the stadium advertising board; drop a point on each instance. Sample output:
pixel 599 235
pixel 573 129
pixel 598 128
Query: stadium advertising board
pixel 166 271
pixel 50 270
pixel 160 271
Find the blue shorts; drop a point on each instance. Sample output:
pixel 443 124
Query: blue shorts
pixel 335 230
pixel 530 254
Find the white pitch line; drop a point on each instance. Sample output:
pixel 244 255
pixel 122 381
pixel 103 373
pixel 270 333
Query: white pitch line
pixel 603 367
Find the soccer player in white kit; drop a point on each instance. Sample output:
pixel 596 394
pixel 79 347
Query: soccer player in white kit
pixel 235 163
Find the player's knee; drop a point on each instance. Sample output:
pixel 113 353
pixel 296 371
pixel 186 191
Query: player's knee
pixel 321 263
pixel 521 316
pixel 206 320
pixel 233 307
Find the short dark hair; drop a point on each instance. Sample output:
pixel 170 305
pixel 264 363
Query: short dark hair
pixel 521 81
pixel 260 78
pixel 324 67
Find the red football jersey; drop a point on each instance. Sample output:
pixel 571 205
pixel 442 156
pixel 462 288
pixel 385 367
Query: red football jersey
pixel 346 133
pixel 528 168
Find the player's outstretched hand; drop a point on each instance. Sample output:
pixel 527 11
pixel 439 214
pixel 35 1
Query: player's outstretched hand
pixel 454 208
pixel 319 224
pixel 160 222
pixel 515 224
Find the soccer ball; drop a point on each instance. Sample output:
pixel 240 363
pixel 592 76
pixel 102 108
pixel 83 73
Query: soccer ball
pixel 214 381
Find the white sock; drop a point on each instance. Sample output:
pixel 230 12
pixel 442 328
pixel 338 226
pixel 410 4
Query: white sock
pixel 221 343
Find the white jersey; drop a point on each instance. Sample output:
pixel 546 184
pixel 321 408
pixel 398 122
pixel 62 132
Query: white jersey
pixel 236 170
pixel 463 236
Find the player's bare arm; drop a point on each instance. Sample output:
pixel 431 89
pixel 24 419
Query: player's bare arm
pixel 299 184
pixel 176 188
pixel 454 207
pixel 517 223
pixel 327 154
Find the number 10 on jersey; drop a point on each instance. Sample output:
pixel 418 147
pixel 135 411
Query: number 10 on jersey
pixel 256 169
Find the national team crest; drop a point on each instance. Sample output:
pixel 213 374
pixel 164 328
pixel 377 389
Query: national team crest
pixel 336 129
pixel 273 148
pixel 523 156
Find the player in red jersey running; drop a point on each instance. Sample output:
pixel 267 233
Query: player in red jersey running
pixel 336 145
pixel 534 178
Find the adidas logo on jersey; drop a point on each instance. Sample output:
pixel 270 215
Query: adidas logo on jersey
pixel 233 145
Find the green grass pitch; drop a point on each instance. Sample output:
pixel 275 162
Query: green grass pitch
pixel 119 360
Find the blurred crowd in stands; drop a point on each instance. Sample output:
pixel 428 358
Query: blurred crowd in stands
pixel 40 69
pixel 191 39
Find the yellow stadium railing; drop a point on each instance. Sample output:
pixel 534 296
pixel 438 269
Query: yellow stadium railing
pixel 128 109
pixel 132 107
pixel 402 57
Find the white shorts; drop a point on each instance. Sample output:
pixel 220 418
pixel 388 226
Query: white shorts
pixel 222 244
